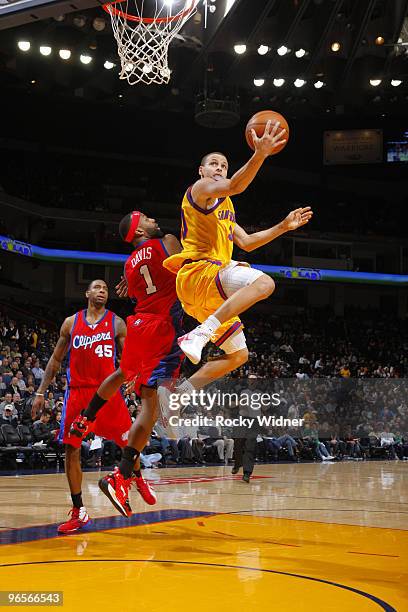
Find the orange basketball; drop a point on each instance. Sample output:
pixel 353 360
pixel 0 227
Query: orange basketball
pixel 258 123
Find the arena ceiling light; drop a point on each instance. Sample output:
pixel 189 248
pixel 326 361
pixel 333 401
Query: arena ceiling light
pixel 259 82
pixel 282 50
pixel 64 54
pixel 379 40
pixel 299 82
pixel 300 53
pixel 396 82
pixel 45 50
pixel 318 84
pixel 228 6
pixel 108 65
pixel 335 46
pixel 278 82
pixel 375 82
pixel 99 24
pixel 263 49
pixel 240 49
pixel 79 21
pixel 24 45
pixel 85 59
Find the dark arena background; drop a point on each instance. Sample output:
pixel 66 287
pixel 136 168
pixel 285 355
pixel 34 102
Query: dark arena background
pixel 317 518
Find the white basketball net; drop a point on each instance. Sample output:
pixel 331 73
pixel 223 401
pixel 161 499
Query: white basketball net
pixel 143 47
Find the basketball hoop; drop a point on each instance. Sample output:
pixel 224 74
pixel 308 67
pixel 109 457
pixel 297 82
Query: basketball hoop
pixel 143 41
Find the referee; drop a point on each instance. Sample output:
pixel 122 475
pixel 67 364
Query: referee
pixel 245 438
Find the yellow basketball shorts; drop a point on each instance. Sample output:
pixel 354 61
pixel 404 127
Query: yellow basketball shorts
pixel 200 292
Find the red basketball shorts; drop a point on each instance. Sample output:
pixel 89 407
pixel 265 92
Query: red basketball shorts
pixel 112 421
pixel 151 351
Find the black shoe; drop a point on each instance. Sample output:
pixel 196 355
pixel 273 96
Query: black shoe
pixel 246 477
pixel 235 470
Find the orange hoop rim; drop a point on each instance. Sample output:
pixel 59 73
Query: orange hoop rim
pixel 110 8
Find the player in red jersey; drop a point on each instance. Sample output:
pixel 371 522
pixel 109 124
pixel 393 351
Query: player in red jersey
pixel 90 338
pixel 150 352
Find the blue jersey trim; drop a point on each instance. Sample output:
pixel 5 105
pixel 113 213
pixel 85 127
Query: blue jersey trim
pixel 97 322
pixel 64 409
pixel 114 339
pixel 164 248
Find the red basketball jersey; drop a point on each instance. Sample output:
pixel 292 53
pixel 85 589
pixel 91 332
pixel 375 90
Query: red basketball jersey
pixel 149 284
pixel 92 350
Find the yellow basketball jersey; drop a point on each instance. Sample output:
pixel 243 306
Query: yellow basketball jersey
pixel 205 234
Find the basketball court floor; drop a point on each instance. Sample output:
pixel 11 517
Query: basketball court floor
pixel 298 537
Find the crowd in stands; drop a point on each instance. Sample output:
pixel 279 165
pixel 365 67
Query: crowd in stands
pixel 345 377
pixel 76 181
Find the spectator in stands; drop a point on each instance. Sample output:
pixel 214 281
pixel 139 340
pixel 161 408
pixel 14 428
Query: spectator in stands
pixel 33 338
pixel 8 418
pixel 131 399
pixel 51 400
pixel 20 382
pixel 42 429
pixel 8 400
pixel 387 441
pixel 274 444
pixel 12 334
pixel 293 412
pixel 345 371
pixel 353 446
pixel 13 386
pixel 212 436
pixel 319 363
pixel 310 438
pixel 336 447
pixel 167 447
pixel 38 372
pixel 29 392
pixel 18 402
pixel 3 386
pixel 188 433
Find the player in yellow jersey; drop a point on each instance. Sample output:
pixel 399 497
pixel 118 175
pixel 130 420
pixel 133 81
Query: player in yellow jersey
pixel 212 287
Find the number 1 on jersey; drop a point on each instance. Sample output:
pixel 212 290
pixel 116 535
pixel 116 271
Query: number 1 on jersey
pixel 145 272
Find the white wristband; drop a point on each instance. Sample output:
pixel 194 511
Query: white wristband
pixel 40 394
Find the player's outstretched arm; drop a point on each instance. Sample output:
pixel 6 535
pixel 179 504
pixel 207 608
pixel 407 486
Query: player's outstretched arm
pixel 53 365
pixel 295 219
pixel 207 188
pixel 120 333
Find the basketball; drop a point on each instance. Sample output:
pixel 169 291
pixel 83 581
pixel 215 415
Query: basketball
pixel 258 123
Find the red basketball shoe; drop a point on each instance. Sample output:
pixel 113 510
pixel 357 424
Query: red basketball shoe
pixel 116 489
pixel 79 518
pixel 145 490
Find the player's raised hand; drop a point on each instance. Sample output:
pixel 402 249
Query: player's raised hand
pixel 296 218
pixel 272 137
pixel 122 288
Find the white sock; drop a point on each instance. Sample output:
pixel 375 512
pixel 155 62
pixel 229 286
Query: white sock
pixel 185 387
pixel 211 324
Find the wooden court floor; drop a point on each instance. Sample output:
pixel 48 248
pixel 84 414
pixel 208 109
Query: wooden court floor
pixel 298 537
